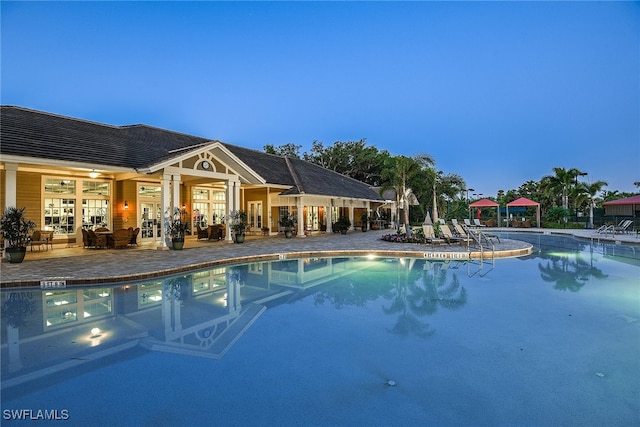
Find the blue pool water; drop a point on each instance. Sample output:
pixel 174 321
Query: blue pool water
pixel 548 339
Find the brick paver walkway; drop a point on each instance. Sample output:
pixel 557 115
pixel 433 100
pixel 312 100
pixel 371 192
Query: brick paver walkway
pixel 79 265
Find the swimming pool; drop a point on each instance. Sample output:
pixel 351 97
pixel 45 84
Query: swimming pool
pixel 551 338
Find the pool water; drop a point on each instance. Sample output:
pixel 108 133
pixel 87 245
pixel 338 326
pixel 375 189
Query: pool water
pixel 548 339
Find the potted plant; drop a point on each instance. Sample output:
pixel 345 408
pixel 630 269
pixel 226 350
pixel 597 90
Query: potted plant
pixel 177 228
pixel 365 221
pixel 287 223
pixel 15 229
pixel 342 224
pixel 238 224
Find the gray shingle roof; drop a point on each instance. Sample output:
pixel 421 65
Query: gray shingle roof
pixel 37 134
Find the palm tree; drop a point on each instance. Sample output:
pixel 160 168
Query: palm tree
pixel 400 174
pixel 442 185
pixel 589 192
pixel 560 184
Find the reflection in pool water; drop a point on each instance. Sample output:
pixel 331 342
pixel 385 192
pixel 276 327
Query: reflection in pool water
pixel 551 338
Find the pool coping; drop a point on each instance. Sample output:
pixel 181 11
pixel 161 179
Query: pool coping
pixel 131 266
pixel 60 282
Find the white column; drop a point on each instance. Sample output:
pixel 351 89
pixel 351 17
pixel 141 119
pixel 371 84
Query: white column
pixel 330 218
pixel 300 206
pixel 228 196
pixel 10 184
pixel 268 221
pixel 233 203
pixel 351 210
pixel 165 200
pixel 236 196
pixel 175 181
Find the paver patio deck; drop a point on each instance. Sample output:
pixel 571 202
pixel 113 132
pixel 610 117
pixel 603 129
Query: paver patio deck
pixel 90 266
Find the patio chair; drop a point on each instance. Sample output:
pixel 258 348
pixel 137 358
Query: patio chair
pixel 86 240
pixel 491 222
pixel 217 232
pixel 121 238
pixel 134 236
pixel 41 237
pixel 477 223
pixel 468 223
pixel 97 241
pixel 203 233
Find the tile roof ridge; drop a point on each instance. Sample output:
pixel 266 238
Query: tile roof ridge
pixel 255 150
pixel 143 125
pixel 294 175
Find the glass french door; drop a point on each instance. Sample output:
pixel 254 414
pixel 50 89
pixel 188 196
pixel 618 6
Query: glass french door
pixel 255 215
pixel 151 220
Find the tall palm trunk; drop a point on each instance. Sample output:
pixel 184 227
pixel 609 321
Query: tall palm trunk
pixel 405 210
pixel 435 205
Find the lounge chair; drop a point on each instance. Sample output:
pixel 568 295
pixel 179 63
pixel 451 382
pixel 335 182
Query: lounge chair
pixel 610 228
pixel 449 237
pixel 430 235
pixel 468 223
pixel 477 223
pixel 459 229
pixel 454 221
pixel 623 227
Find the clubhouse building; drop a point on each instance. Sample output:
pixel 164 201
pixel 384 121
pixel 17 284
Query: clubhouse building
pixel 72 174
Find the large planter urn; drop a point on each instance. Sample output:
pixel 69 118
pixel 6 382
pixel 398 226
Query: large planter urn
pixel 16 255
pixel 240 238
pixel 288 234
pixel 177 243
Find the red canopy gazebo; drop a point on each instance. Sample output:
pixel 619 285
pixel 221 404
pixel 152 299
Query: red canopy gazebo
pixel 523 201
pixel 485 203
pixel 628 206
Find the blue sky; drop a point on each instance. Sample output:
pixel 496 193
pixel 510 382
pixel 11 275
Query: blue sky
pixel 497 92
